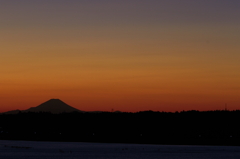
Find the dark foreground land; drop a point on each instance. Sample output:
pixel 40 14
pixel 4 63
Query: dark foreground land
pixel 191 127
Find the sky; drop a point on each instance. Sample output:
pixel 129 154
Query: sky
pixel 109 55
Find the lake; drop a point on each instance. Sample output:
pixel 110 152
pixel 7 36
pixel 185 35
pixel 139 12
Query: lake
pixel 74 150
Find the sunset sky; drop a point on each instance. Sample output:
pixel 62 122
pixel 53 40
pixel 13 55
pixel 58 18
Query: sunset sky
pixel 126 55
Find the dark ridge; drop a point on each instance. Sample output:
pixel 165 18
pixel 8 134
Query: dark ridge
pixel 12 112
pixel 54 106
pixel 148 127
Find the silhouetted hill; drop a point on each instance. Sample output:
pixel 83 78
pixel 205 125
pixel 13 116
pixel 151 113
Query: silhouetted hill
pixel 54 106
pixel 12 112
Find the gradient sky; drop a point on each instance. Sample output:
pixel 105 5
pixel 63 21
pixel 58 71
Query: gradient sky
pixel 160 55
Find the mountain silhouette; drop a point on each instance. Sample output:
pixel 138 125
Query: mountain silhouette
pixel 12 112
pixel 54 106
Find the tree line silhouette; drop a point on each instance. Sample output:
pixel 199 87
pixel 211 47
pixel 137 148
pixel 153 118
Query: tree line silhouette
pixel 186 127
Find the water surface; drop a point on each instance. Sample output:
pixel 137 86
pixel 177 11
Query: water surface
pixel 74 150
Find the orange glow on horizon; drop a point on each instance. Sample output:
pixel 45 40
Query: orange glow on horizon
pixel 126 56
